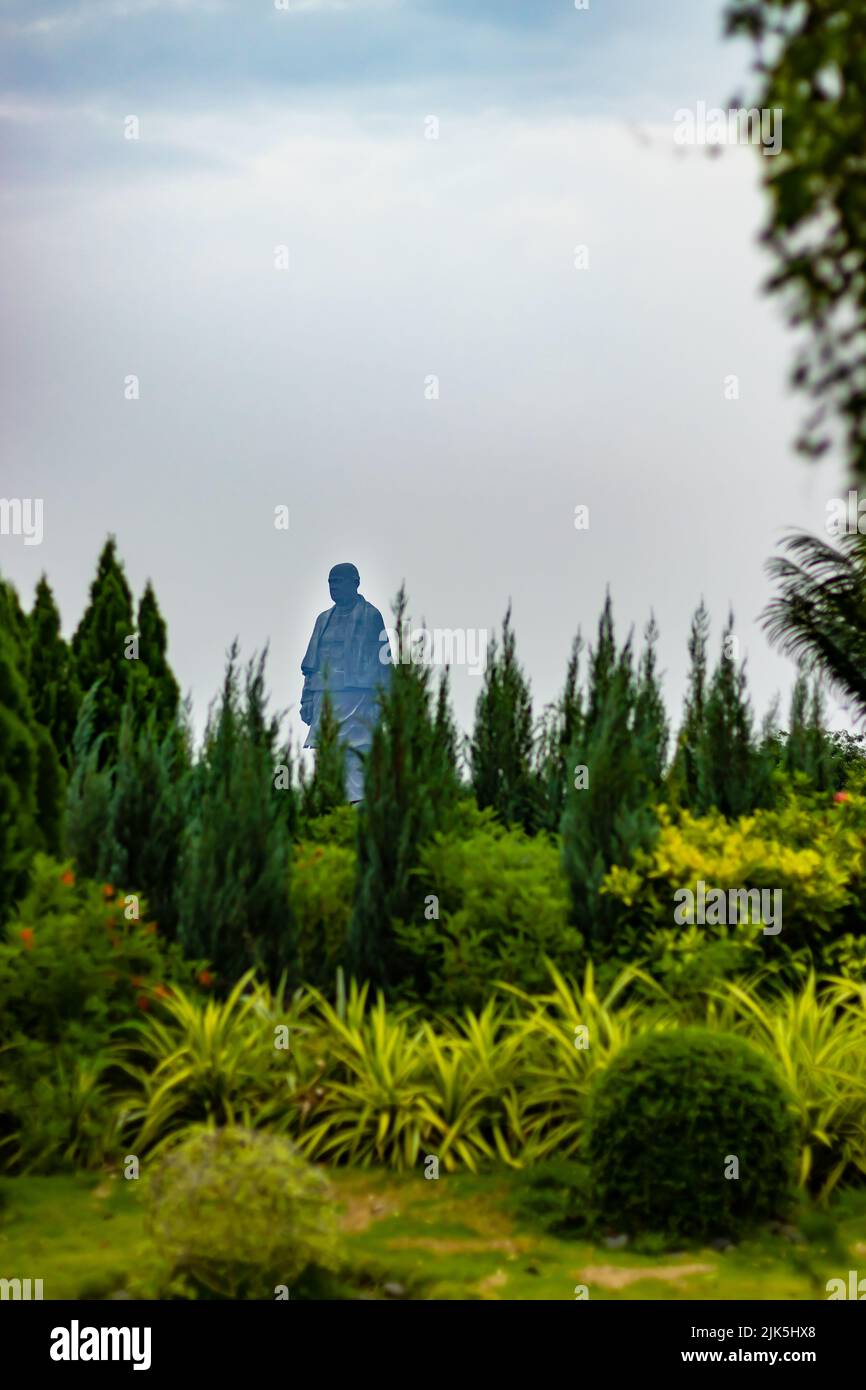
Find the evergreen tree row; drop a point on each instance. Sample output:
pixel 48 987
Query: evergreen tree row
pixel 96 761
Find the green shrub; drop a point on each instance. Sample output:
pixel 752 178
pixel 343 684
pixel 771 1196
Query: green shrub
pixel 666 1118
pixel 338 827
pixel 323 891
pixel 811 848
pixel 236 1213
pixel 57 1111
pixel 215 1061
pixel 73 966
pixel 503 906
pixel 553 1196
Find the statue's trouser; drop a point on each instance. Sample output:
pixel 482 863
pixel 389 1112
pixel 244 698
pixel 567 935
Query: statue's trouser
pixel 354 775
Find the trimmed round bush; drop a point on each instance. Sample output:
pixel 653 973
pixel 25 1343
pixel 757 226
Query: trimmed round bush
pixel 671 1120
pixel 238 1212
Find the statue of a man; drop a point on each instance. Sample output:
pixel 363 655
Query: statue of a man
pixel 349 655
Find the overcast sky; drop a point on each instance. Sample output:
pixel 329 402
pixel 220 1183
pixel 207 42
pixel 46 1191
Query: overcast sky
pixel 408 257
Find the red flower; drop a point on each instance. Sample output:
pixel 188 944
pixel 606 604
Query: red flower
pixel 841 796
pixel 205 978
pixel 27 938
pixel 136 981
pixel 161 992
pixel 68 878
pixel 143 1002
pixel 107 890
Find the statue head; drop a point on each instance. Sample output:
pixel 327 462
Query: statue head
pixel 343 582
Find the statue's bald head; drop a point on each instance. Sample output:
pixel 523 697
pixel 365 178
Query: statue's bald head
pixel 345 571
pixel 343 582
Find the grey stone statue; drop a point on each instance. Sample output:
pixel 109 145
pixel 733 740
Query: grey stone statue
pixel 349 655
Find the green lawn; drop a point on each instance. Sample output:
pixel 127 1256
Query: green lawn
pixel 407 1237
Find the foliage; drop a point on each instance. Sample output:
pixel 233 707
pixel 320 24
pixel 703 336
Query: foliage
pixel 553 1196
pixel 74 969
pixel 326 789
pixel 668 1115
pixel 502 740
pixel 21 769
pixel 58 1111
pixel 558 732
pixel 237 1213
pixel 99 645
pixel 732 769
pixel 410 786
pixel 54 688
pixel 808 848
pixel 338 827
pixel 501 906
pixel 566 1036
pixel 819 614
pixel 158 694
pixel 74 965
pixel 235 904
pixel 368 1084
pixel 608 816
pixel 103 655
pixel 323 892
pixel 815 1035
pixel 811 62
pixel 208 1061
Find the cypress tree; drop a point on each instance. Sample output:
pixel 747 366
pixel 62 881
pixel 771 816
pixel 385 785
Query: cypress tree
pixel 409 789
pixel 326 789
pixel 445 734
pixel 806 749
pixel 602 666
pixel 99 646
pixel 559 732
pixel 683 779
pixel 608 814
pixel 88 795
pixel 146 814
pixel 54 690
pixel 502 741
pixel 160 693
pixel 732 770
pixel 650 716
pixel 19 757
pixel 234 907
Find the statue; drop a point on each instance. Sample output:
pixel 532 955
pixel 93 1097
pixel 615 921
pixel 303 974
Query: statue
pixel 349 656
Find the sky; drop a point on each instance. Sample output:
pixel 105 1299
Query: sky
pixel 334 242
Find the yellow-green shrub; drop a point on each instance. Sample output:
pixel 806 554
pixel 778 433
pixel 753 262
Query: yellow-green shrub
pixel 812 849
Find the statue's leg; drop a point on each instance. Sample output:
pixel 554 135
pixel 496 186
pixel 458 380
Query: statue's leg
pixel 354 775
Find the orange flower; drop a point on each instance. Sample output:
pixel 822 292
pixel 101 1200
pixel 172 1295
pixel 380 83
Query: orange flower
pixel 143 1002
pixel 205 978
pixel 161 992
pixel 26 935
pixel 68 878
pixel 107 890
pixel 151 929
pixel 842 796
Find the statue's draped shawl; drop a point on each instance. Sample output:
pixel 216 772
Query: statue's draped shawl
pixel 365 639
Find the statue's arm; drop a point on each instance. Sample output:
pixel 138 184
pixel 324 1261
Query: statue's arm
pixel 306 709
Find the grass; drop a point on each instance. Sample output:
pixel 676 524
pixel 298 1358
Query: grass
pixel 452 1238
